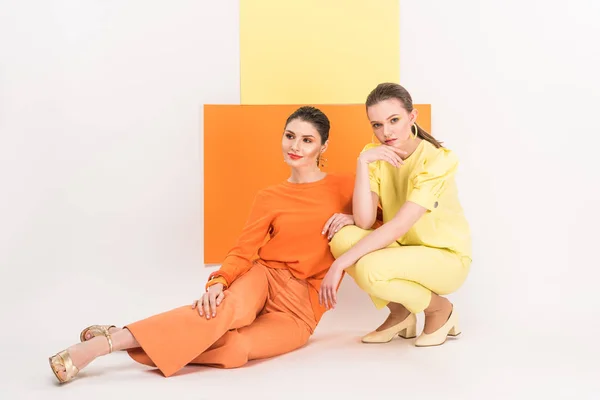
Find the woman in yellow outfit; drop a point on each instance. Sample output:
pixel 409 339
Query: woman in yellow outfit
pixel 423 248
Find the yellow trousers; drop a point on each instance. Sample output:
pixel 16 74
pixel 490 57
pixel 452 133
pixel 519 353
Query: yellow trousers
pixel 402 274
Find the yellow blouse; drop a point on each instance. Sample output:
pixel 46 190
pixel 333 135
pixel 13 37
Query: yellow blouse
pixel 427 179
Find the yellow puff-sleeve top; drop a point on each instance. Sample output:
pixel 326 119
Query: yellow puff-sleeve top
pixel 427 179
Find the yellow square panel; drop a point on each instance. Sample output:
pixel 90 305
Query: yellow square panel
pixel 317 51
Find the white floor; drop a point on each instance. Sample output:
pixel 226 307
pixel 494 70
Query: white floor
pixel 512 359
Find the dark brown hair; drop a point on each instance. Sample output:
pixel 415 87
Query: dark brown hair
pixel 315 117
pixel 386 91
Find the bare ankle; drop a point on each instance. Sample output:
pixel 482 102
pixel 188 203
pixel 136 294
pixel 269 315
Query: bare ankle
pixel 398 310
pixel 437 304
pixel 437 313
pixel 98 346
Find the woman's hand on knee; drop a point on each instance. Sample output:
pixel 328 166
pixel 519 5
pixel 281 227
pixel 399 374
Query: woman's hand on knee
pixel 209 301
pixel 335 223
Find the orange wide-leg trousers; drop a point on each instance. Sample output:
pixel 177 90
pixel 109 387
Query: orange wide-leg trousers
pixel 266 312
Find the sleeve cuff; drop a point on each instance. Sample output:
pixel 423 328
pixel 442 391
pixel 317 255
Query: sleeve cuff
pixel 215 280
pixel 424 199
pixel 218 277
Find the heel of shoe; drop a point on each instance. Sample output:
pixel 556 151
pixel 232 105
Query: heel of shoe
pixel 410 332
pixel 455 331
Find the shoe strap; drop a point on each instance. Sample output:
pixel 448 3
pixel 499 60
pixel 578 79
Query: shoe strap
pixel 102 330
pixel 67 362
pixel 108 336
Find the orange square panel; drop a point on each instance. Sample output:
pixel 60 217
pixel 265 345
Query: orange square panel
pixel 242 154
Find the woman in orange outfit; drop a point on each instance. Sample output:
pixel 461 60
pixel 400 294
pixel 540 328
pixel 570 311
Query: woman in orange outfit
pixel 251 309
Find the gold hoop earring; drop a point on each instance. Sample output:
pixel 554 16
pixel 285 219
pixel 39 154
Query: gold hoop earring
pixel 415 133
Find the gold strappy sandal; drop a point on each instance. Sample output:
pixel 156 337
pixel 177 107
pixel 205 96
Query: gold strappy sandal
pixel 63 359
pixel 97 330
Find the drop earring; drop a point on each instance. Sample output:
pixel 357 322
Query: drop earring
pixel 321 161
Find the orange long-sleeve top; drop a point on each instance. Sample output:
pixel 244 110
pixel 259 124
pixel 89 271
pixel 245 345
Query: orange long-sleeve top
pixel 290 217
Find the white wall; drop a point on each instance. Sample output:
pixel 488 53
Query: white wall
pixel 101 143
pixel 101 139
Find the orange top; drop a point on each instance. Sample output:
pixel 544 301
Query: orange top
pixel 291 216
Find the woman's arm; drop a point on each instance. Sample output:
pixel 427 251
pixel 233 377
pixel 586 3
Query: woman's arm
pixel 366 187
pixel 239 259
pixel 428 185
pixel 385 235
pixel 381 237
pixel 364 201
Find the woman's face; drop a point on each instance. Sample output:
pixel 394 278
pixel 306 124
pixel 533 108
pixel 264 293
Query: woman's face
pixel 391 123
pixel 301 144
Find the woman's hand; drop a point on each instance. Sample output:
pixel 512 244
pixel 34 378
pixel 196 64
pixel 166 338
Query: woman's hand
pixel 385 153
pixel 335 223
pixel 329 285
pixel 209 301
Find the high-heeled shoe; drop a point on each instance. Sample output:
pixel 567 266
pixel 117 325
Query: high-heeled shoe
pixel 95 330
pixel 450 328
pixel 406 329
pixel 63 359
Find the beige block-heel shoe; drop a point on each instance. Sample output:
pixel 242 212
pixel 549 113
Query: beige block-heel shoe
pixel 450 328
pixel 406 329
